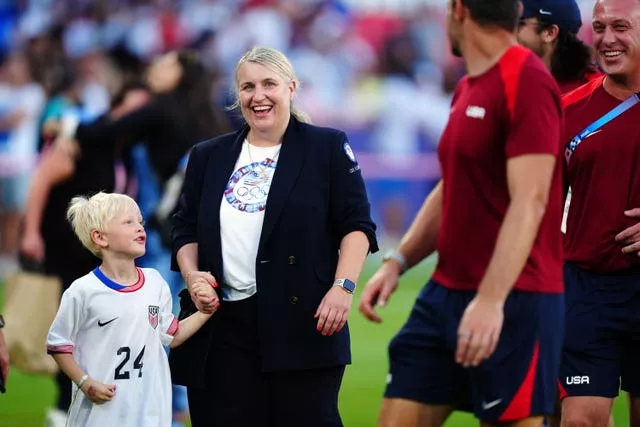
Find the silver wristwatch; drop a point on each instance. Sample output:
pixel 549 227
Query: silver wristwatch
pixel 395 255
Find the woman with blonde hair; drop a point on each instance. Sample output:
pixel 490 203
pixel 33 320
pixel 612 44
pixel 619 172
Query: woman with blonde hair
pixel 276 217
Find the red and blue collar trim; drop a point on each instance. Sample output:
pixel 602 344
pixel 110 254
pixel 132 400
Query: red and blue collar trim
pixel 117 286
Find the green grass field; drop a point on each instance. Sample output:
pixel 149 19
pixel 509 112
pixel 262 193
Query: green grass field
pixel 28 397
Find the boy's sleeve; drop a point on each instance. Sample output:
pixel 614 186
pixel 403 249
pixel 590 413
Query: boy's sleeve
pixel 64 329
pixel 168 325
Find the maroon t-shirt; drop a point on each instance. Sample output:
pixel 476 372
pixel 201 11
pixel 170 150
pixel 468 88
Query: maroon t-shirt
pixel 511 110
pixel 604 175
pixel 568 86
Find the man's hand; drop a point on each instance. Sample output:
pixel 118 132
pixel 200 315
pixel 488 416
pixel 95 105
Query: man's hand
pixel 4 358
pixel 333 311
pixel 479 330
pixel 97 392
pixel 378 289
pixel 629 238
pixel 201 286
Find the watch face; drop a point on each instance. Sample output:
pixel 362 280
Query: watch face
pixel 1 321
pixel 349 285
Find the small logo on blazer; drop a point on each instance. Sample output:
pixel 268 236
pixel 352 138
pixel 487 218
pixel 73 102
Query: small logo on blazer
pixel 349 152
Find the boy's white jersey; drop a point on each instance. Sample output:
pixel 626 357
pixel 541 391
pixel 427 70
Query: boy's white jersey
pixel 116 335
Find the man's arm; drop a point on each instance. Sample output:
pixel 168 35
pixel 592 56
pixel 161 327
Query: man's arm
pixel 422 236
pixel 417 243
pixel 529 179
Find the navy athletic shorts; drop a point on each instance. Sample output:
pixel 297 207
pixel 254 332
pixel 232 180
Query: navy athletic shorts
pixel 518 381
pixel 602 340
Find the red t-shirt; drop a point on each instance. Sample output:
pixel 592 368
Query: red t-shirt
pixel 511 110
pixel 604 175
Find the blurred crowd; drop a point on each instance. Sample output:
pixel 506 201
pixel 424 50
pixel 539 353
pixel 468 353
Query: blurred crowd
pixel 384 77
pixel 382 74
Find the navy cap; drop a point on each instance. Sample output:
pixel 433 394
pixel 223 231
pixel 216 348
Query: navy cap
pixel 564 13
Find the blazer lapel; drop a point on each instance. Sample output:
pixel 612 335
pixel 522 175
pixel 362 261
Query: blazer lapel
pixel 219 170
pixel 290 162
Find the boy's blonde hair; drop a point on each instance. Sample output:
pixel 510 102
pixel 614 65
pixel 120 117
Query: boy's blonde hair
pixel 94 213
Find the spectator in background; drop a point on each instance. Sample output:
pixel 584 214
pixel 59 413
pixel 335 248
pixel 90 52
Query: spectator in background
pixel 409 115
pixel 24 103
pixel 64 99
pixel 179 114
pixel 550 28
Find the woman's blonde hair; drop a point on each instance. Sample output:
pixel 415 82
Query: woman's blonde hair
pixel 277 62
pixel 94 213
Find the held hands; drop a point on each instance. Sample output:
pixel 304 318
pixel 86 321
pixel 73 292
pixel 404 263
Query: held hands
pixel 629 238
pixel 479 330
pixel 378 290
pixel 201 286
pixel 97 392
pixel 333 310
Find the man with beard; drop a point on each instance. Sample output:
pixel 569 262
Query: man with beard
pixel 485 333
pixel 550 29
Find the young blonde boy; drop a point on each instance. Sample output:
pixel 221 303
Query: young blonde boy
pixel 109 332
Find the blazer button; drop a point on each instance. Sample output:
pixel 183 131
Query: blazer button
pixel 292 260
pixel 294 300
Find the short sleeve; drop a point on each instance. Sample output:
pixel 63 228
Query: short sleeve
pixel 64 329
pixel 535 112
pixel 168 323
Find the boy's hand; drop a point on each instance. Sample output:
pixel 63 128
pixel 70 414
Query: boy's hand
pixel 97 392
pixel 204 296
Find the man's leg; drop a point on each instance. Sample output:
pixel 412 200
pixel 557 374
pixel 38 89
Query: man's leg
pixel 596 317
pixel 634 410
pixel 586 411
pixel 516 386
pixel 425 384
pixel 408 413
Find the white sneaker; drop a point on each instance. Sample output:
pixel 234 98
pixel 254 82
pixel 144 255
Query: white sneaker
pixel 55 418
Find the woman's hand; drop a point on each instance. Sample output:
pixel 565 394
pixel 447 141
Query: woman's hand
pixel 333 310
pixel 201 286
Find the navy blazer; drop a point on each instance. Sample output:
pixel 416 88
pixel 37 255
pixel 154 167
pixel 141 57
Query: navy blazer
pixel 317 196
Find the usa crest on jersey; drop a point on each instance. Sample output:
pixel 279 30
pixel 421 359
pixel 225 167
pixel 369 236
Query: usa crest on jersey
pixel 153 315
